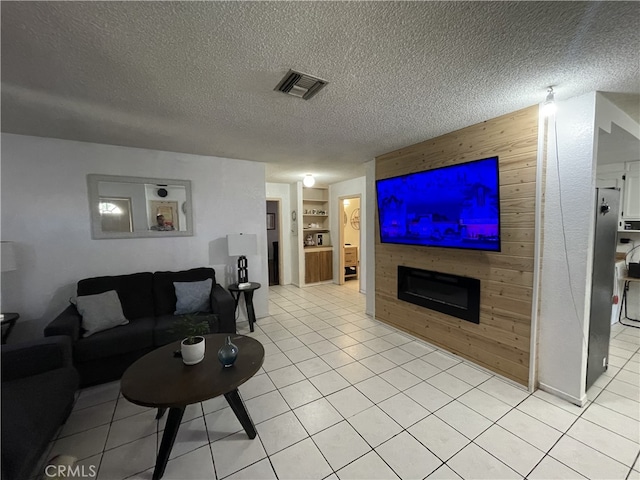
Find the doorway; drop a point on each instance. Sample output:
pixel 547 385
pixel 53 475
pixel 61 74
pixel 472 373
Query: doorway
pixel 349 250
pixel 274 241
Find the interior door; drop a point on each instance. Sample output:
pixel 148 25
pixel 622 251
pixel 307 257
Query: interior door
pixel 273 241
pixel 349 222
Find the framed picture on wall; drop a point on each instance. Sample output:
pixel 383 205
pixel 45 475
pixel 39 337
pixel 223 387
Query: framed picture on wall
pixel 271 221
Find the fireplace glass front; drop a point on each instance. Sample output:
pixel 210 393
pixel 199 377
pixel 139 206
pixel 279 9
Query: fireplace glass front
pixel 451 294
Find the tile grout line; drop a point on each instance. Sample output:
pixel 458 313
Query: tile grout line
pixel 295 322
pixel 565 433
pixel 455 398
pixel 422 381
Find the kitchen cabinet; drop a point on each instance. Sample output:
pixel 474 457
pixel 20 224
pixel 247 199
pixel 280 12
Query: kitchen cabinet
pixel 630 211
pixel 318 265
pixel 631 196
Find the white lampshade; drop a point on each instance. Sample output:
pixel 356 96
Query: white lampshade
pixel 242 244
pixel 8 256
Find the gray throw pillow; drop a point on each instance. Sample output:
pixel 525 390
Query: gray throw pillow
pixel 193 297
pixel 100 312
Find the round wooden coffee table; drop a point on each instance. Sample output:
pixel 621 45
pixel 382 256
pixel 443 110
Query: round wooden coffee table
pixel 161 380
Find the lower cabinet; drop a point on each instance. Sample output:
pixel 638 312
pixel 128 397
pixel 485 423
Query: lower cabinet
pixel 318 266
pixel 350 262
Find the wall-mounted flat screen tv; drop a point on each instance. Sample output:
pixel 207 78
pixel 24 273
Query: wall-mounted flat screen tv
pixel 456 206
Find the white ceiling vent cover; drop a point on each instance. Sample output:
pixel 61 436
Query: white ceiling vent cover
pixel 300 85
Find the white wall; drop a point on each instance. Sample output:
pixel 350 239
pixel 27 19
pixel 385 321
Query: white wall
pixel 282 192
pixel 607 113
pixel 45 211
pixel 296 253
pixel 347 188
pixel 368 212
pixel 567 249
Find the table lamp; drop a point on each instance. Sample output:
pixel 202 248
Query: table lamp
pixel 240 245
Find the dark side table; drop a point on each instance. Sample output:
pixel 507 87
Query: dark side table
pixel 9 319
pixel 248 299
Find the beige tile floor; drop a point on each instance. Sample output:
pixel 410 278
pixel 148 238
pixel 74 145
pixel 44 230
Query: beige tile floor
pixel 342 396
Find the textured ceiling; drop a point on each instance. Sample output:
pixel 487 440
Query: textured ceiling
pixel 198 77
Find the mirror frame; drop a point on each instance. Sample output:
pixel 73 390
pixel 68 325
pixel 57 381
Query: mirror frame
pixel 93 181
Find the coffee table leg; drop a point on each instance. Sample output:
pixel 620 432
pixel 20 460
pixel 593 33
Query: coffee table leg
pixel 168 437
pixel 160 413
pixel 235 402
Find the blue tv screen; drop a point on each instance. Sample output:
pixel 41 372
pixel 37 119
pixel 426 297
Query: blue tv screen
pixel 456 207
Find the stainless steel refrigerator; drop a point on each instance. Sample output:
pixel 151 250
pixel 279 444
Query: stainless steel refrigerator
pixel 604 259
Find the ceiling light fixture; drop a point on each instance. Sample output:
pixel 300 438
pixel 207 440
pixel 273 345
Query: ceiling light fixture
pixel 308 180
pixel 549 105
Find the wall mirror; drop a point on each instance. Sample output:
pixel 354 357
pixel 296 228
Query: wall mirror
pixel 135 207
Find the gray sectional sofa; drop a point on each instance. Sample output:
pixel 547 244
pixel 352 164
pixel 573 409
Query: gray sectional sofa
pixel 148 303
pixel 38 390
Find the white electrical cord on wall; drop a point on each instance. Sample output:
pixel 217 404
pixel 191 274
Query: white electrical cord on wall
pixel 564 237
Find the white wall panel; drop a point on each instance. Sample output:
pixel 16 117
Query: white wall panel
pixel 45 210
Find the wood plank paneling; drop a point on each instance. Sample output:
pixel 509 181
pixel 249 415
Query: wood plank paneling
pixel 501 341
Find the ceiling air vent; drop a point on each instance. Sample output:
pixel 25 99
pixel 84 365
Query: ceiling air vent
pixel 300 85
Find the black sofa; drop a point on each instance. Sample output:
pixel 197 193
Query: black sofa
pixel 38 390
pixel 148 301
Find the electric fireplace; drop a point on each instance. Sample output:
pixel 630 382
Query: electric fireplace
pixel 451 294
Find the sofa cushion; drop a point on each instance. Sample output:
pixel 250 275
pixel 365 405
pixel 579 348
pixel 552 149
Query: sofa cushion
pixel 164 292
pixel 33 408
pixel 100 312
pixel 193 297
pixel 135 292
pixel 137 335
pixel 163 332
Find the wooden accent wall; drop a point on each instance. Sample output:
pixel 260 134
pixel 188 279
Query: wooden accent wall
pixel 501 341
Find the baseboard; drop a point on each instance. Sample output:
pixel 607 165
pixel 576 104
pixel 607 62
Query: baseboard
pixel 581 402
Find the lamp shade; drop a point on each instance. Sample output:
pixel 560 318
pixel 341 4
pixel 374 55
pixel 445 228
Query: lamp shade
pixel 8 256
pixel 242 244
